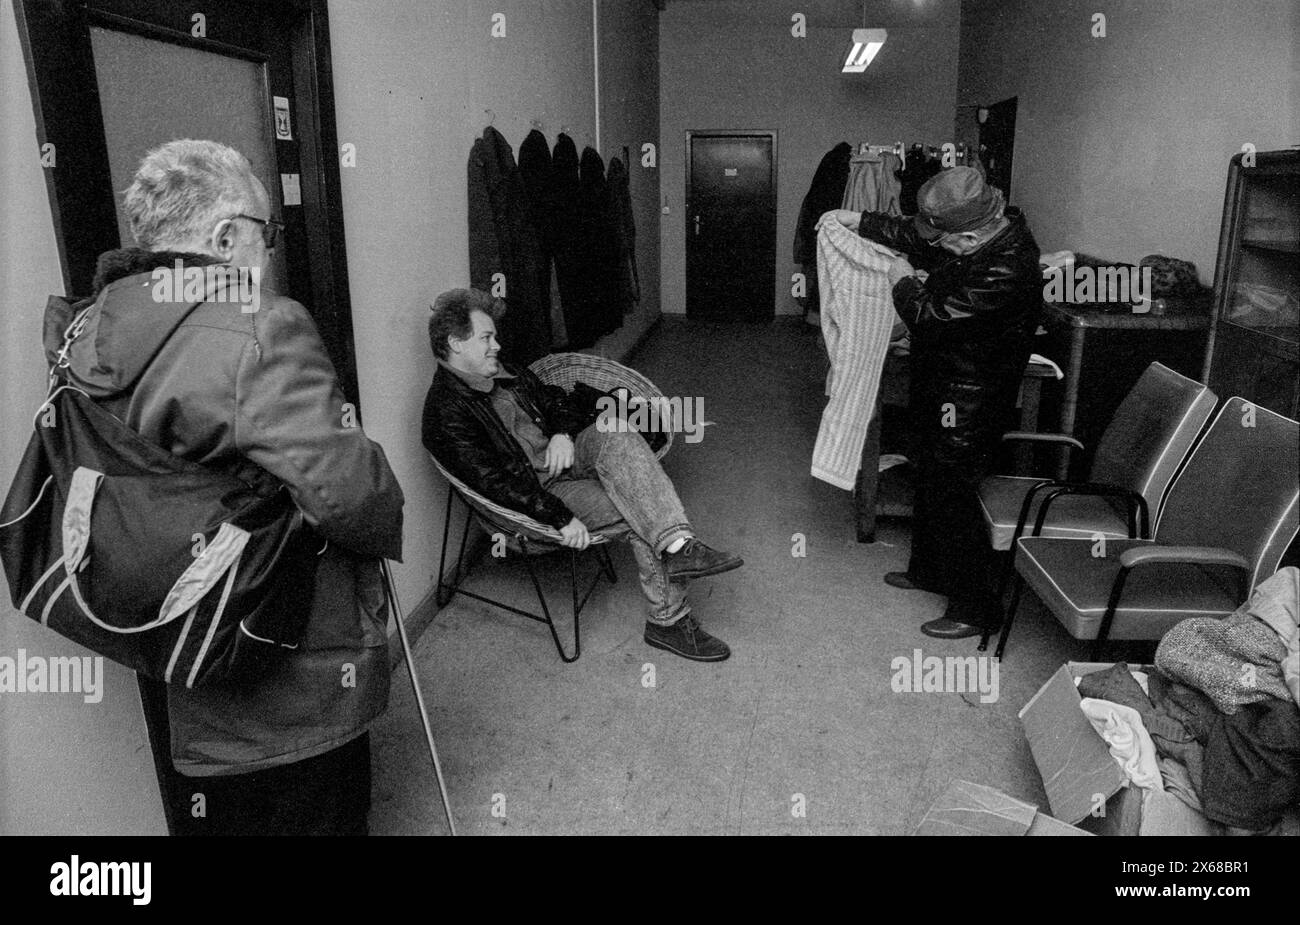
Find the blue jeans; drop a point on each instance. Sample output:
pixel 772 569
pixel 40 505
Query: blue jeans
pixel 616 486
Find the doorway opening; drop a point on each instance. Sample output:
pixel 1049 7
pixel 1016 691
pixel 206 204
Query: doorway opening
pixel 731 226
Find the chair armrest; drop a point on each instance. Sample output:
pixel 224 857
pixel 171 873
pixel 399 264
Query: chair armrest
pixel 1139 518
pixel 1027 436
pixel 1192 555
pixel 1029 503
pixel 1130 559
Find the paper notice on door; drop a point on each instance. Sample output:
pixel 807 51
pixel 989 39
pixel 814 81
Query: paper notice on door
pixel 282 130
pixel 291 189
pixel 729 171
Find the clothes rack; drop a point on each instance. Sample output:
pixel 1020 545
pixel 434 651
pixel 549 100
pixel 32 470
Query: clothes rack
pixel 961 153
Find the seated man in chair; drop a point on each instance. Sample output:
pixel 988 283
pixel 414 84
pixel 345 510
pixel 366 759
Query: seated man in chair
pixel 526 446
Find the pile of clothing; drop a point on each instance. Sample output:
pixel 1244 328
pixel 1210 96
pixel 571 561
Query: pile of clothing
pixel 556 229
pixel 1217 724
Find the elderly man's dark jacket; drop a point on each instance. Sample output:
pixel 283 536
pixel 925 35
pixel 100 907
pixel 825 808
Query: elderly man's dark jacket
pixel 463 431
pixel 979 308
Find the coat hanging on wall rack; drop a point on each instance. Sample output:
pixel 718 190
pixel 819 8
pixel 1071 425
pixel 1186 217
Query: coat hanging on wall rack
pixel 504 250
pixel 565 238
pixel 539 183
pixel 824 194
pixel 627 281
pixel 598 309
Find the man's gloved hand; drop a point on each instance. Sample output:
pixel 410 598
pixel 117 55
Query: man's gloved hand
pixel 575 535
pixel 559 454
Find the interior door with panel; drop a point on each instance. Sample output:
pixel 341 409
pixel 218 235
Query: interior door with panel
pixel 731 226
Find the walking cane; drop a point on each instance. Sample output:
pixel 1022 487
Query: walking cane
pixel 391 589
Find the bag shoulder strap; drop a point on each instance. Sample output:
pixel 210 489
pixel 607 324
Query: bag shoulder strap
pixel 58 371
pixel 58 382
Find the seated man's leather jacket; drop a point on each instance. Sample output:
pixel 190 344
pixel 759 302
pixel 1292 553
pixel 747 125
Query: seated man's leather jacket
pixel 977 309
pixel 465 434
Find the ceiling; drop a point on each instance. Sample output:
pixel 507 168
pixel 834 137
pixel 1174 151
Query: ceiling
pixel 819 13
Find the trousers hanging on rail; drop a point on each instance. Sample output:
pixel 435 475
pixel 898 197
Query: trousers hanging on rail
pixel 873 183
pixel 857 313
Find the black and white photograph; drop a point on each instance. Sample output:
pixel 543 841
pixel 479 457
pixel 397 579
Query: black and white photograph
pixel 652 418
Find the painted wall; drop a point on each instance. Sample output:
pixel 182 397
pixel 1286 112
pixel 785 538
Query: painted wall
pixel 1123 142
pixel 412 83
pixel 67 767
pixel 734 64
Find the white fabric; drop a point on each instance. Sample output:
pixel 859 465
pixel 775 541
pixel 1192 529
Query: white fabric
pixel 1044 361
pixel 1126 734
pixel 1055 259
pixel 1277 602
pixel 76 516
pixel 201 576
pixel 857 313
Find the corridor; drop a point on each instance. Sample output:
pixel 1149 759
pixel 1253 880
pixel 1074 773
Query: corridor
pixel 803 707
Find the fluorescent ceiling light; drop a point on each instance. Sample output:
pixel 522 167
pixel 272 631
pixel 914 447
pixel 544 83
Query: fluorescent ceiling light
pixel 866 42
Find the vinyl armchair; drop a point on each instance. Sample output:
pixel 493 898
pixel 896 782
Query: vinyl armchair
pixel 1148 438
pixel 1227 519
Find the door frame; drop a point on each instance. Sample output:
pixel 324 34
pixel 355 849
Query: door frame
pixel 691 135
pixel 1014 102
pixel 56 44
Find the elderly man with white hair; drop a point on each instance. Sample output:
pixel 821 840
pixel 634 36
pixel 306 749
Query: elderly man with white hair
pixel 245 385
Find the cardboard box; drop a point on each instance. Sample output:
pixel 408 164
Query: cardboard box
pixel 973 809
pixel 1084 785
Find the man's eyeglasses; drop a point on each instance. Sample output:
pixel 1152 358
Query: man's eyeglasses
pixel 271 228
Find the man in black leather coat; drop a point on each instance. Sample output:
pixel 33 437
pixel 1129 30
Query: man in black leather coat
pixel 537 450
pixel 972 314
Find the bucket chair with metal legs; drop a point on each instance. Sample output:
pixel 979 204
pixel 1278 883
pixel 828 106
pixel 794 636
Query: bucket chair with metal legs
pixel 1226 521
pixel 525 537
pixel 1147 439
